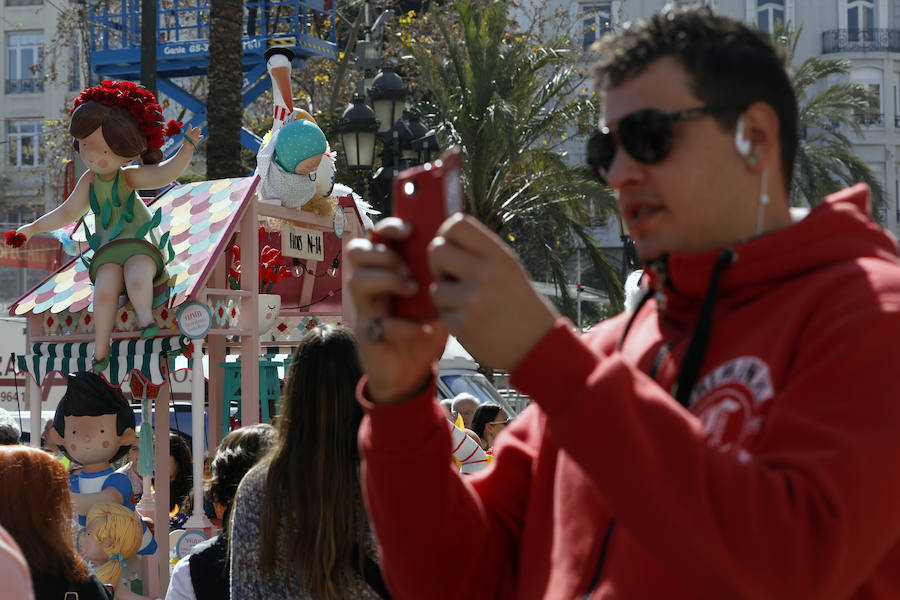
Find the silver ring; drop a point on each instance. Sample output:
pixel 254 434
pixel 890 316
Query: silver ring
pixel 375 331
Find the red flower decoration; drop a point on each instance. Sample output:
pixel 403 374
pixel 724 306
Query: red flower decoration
pixel 14 239
pixel 173 127
pixel 271 266
pixel 140 104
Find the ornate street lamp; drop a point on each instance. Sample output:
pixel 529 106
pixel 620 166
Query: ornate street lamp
pixel 357 127
pixel 416 132
pixel 386 96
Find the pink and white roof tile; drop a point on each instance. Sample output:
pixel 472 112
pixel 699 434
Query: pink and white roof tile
pixel 200 218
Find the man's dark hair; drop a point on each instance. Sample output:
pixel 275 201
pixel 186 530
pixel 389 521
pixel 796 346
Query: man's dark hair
pixel 88 395
pixel 727 62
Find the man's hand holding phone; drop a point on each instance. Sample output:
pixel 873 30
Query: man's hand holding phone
pixel 397 353
pixel 427 273
pixel 399 335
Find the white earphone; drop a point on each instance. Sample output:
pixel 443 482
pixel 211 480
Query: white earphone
pixel 741 144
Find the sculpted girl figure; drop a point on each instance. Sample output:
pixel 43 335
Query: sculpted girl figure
pixel 114 124
pixel 109 542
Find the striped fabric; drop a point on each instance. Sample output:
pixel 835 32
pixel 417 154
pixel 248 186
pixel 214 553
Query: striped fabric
pixel 125 356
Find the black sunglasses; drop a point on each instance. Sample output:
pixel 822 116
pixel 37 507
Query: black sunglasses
pixel 646 135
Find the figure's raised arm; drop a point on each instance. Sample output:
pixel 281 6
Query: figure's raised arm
pixel 148 177
pixel 68 212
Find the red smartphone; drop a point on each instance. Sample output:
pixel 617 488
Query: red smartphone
pixel 424 196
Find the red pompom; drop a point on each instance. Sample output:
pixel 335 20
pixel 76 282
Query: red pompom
pixel 15 239
pixel 173 127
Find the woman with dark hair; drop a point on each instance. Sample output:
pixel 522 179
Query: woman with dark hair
pixel 299 527
pixel 181 477
pixel 37 511
pixel 489 420
pixel 204 574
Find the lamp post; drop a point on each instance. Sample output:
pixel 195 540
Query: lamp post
pixel 357 127
pixel 424 141
pixel 404 140
pixel 387 95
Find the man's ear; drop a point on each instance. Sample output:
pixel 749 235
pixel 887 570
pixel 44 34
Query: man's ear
pixel 761 129
pixel 127 438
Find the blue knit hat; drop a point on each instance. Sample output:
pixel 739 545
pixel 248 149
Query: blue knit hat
pixel 297 141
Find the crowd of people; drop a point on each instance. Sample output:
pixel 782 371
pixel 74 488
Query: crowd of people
pixel 731 435
pixel 267 547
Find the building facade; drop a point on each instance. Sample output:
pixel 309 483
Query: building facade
pixel 864 32
pixel 29 184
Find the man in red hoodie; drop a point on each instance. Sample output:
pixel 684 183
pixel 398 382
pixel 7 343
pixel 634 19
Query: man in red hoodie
pixel 735 436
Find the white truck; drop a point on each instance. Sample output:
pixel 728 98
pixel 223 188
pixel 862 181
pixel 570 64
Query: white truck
pixel 459 373
pixel 14 387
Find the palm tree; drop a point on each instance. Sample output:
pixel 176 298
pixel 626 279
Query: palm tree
pixel 507 100
pixel 825 160
pixel 223 150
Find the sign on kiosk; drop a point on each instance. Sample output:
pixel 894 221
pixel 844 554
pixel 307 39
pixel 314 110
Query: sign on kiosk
pixel 194 319
pixel 298 242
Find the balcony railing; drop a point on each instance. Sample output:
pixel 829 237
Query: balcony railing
pixel 870 119
pixel 860 40
pixel 24 86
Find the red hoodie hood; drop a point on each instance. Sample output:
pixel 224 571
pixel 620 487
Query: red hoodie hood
pixel 838 228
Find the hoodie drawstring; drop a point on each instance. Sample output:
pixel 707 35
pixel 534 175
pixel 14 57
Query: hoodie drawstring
pixel 696 350
pixel 687 375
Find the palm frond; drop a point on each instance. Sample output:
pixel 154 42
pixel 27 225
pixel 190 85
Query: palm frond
pixel 828 114
pixel 507 102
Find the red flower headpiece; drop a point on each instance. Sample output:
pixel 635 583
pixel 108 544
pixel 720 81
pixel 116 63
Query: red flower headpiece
pixel 137 100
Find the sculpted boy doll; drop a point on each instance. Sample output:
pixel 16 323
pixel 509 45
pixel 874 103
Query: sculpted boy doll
pixel 96 426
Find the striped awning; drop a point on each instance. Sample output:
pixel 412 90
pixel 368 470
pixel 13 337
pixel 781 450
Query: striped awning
pixel 125 356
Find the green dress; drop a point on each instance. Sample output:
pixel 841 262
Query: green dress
pixel 124 227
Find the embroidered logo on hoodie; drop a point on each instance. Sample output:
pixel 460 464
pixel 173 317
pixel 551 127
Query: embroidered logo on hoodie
pixel 728 400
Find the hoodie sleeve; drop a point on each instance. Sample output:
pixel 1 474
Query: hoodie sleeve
pixel 808 512
pixel 428 517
